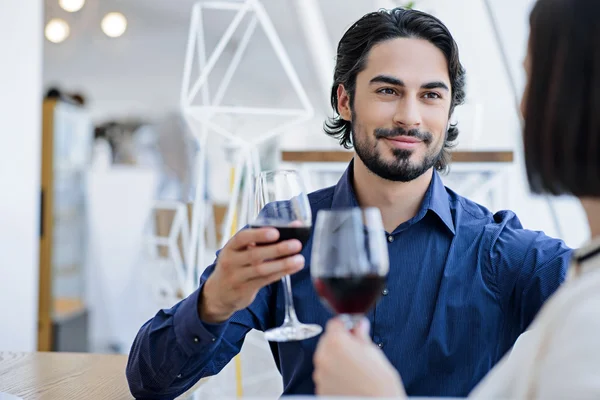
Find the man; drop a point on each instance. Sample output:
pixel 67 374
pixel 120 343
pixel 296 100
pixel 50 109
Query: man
pixel 463 282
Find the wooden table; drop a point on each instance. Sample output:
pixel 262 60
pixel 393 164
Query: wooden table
pixel 65 376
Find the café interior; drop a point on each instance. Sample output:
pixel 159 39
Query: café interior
pixel 133 131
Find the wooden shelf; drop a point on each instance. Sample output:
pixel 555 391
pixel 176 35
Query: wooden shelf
pixel 63 163
pixel 67 307
pixel 340 156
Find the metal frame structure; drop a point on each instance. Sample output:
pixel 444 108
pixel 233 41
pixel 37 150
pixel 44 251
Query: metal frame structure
pixel 200 108
pixel 179 229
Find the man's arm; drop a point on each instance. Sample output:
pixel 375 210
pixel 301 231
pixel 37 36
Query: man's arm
pixel 199 336
pixel 528 267
pixel 175 349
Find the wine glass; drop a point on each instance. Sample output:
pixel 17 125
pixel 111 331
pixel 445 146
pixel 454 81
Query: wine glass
pixel 350 261
pixel 281 203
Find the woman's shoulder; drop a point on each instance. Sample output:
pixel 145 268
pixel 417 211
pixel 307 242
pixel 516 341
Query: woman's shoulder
pixel 568 357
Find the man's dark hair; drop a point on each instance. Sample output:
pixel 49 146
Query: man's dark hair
pixel 562 101
pixel 376 27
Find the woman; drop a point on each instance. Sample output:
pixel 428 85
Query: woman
pixel 561 105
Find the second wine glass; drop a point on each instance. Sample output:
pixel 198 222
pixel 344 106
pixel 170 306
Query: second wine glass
pixel 281 203
pixel 349 261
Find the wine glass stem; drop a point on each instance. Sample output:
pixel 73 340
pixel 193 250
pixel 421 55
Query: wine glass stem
pixel 290 312
pixel 350 321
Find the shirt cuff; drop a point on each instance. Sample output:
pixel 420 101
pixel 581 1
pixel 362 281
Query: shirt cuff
pixel 192 334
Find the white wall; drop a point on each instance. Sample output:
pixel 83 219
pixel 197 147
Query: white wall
pixel 20 123
pixel 512 17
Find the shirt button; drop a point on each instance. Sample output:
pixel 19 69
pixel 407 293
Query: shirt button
pixel 196 340
pixel 390 238
pixel 380 345
pixel 213 339
pixel 385 292
pixel 179 376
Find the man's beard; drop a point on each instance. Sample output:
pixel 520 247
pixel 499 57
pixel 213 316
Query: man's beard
pixel 400 170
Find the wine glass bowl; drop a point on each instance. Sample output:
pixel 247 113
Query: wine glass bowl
pixel 349 262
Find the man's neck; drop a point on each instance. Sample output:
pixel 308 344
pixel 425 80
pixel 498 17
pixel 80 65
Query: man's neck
pixel 397 201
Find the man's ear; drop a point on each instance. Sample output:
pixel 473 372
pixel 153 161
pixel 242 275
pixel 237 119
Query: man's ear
pixel 343 103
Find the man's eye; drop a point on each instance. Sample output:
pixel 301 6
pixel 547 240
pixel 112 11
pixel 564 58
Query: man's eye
pixel 386 91
pixel 432 95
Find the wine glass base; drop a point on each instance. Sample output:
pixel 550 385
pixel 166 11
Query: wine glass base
pixel 293 332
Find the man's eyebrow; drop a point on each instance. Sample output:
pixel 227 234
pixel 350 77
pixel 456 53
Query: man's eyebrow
pixel 398 82
pixel 435 85
pixel 387 79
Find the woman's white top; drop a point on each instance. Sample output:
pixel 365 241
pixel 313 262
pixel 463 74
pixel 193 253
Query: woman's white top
pixel 559 357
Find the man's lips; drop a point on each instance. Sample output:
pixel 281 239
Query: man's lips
pixel 404 139
pixel 403 142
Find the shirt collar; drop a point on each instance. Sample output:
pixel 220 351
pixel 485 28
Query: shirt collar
pixel 436 198
pixel 343 194
pixel 439 202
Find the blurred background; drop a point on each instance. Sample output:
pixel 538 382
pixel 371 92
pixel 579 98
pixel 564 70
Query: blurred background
pixel 130 129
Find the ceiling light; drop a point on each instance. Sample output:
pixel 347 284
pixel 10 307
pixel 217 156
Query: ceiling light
pixel 71 5
pixel 114 24
pixel 57 30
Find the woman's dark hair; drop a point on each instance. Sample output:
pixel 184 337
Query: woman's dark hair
pixel 376 27
pixel 562 100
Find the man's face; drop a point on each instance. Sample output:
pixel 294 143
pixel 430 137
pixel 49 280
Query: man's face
pixel 401 108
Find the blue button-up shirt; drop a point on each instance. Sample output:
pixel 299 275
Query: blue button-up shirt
pixel 463 284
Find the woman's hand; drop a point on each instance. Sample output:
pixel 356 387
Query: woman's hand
pixel 349 364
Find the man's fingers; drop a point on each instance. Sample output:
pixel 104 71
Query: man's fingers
pixel 259 254
pixel 256 255
pixel 272 271
pixel 244 238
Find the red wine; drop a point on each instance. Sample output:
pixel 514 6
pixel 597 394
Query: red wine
pixel 350 295
pixel 302 233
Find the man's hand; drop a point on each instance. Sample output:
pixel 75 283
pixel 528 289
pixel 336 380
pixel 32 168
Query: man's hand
pixel 248 262
pixel 349 364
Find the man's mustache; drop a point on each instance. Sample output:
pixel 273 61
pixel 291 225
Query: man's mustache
pixel 383 133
